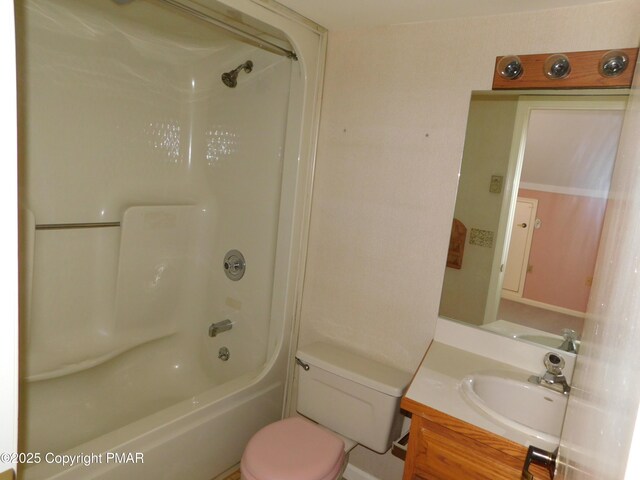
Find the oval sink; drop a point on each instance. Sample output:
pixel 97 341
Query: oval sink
pixel 529 408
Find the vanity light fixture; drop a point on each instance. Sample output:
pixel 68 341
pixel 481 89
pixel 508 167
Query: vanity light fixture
pixel 613 63
pixel 590 69
pixel 557 66
pixel 510 67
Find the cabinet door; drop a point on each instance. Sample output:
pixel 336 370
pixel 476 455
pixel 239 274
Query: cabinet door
pixel 450 456
pixel 438 453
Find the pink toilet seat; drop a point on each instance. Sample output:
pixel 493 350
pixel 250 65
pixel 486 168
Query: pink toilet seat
pixel 293 449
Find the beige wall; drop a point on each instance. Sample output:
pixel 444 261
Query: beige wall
pixel 391 140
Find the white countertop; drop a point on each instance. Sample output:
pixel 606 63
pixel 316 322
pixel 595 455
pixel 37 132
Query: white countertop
pixel 437 385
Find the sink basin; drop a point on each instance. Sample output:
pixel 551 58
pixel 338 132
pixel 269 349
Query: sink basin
pixel 518 404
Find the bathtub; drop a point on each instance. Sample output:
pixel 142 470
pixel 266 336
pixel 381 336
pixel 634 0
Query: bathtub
pixel 163 402
pixel 196 439
pixel 189 149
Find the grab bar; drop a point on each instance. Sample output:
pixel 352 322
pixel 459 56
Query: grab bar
pixel 66 226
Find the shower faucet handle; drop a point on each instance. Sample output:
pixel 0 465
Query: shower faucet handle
pixel 234 265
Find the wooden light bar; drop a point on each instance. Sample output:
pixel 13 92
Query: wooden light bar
pixel 585 72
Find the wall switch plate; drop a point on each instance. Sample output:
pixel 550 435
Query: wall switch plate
pixel 496 184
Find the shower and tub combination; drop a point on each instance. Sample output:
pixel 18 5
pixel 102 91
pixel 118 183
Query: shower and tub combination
pixel 165 173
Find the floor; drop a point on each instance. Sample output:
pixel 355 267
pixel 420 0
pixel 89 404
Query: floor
pixel 530 316
pixel 234 476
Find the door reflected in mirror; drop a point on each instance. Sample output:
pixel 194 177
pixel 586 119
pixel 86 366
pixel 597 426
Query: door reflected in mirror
pixel 529 256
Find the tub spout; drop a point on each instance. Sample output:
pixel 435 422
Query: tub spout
pixel 219 327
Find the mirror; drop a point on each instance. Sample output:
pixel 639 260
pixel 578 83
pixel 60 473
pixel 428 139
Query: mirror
pixel 529 211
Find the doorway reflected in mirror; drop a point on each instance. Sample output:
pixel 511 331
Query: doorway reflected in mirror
pixel 556 154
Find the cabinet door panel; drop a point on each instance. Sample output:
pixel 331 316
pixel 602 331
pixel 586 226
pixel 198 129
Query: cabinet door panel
pixel 446 458
pixel 444 448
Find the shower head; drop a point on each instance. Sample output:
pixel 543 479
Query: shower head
pixel 230 79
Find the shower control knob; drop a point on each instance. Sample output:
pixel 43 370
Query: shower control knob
pixel 234 265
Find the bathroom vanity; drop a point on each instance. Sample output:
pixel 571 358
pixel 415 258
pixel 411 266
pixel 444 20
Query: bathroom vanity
pixel 474 412
pixel 442 447
pixel 483 404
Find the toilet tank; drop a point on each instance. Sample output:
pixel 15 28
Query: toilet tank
pixel 351 395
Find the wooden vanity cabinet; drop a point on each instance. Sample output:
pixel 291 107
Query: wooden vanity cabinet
pixel 442 447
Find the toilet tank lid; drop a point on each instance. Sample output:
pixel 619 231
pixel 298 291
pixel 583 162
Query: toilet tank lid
pixel 354 367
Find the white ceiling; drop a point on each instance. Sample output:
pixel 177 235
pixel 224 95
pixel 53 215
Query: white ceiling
pixel 345 14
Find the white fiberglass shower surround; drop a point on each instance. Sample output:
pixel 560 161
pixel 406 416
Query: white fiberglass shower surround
pixel 140 169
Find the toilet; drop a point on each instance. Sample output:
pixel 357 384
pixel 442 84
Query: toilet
pixel 344 399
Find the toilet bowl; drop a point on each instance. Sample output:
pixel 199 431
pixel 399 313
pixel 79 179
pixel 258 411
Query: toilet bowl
pixel 353 400
pixel 293 449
